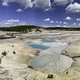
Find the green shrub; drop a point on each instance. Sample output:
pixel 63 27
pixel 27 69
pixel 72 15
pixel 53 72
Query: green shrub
pixel 12 45
pixel 4 53
pixel 14 52
pixel 38 30
pixel 30 30
pixel 50 76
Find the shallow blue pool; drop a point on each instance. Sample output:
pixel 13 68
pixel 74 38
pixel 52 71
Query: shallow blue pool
pixel 47 41
pixel 45 44
pixel 1 41
pixel 39 46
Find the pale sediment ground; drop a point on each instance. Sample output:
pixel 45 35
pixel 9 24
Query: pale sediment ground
pixel 73 50
pixel 15 67
pixel 54 50
pixel 69 36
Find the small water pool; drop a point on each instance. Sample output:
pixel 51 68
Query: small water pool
pixel 44 60
pixel 39 46
pixel 1 41
pixel 47 40
pixel 43 44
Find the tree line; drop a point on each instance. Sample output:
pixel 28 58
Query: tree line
pixel 22 28
pixel 63 29
pixel 29 28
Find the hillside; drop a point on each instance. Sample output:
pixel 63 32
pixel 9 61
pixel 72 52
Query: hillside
pixel 20 28
pixel 26 28
pixel 64 29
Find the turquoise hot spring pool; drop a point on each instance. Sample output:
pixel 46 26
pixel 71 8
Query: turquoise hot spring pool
pixel 39 46
pixel 44 44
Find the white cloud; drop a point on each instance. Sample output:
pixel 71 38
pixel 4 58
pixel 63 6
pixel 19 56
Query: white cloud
pixel 12 21
pixel 31 24
pixel 34 22
pixel 54 26
pixel 15 25
pixel 5 3
pixel 60 22
pixel 79 24
pixel 22 23
pixel 74 24
pixel 47 9
pixel 73 8
pixel 78 19
pixel 68 18
pixel 63 2
pixel 56 22
pixel 45 26
pixel 58 26
pixel 25 3
pixel 47 19
pixel 61 26
pixel 3 22
pixel 65 26
pixel 51 21
pixel 43 4
pixel 65 23
pixel 19 10
pixel 8 23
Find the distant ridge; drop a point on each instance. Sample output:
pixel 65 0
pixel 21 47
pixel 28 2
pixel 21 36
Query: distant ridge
pixel 19 28
pixel 64 28
pixel 30 27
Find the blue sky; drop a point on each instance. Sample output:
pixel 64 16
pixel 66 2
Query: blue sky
pixel 46 13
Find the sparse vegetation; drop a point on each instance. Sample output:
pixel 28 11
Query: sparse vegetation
pixel 14 52
pixel 50 76
pixel 30 67
pixel 12 45
pixel 30 30
pixel 38 30
pixel 4 53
